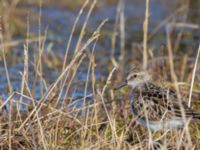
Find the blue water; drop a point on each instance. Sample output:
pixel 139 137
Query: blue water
pixel 58 23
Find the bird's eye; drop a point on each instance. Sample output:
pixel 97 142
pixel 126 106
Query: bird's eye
pixel 135 75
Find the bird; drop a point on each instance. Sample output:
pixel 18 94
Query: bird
pixel 155 107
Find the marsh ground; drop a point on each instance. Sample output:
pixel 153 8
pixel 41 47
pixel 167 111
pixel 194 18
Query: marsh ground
pixel 60 61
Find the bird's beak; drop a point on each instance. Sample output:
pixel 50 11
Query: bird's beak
pixel 124 83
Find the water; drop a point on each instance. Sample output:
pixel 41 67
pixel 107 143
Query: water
pixel 58 23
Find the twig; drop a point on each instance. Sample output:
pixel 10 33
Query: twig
pixel 193 76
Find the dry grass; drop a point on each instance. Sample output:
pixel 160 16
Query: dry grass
pixel 105 122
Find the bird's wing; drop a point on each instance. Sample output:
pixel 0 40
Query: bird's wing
pixel 168 99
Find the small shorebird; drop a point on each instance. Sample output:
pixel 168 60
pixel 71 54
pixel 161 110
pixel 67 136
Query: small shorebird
pixel 155 107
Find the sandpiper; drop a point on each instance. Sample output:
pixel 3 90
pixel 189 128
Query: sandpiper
pixel 156 108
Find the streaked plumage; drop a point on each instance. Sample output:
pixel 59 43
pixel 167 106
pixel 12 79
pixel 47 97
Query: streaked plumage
pixel 155 107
